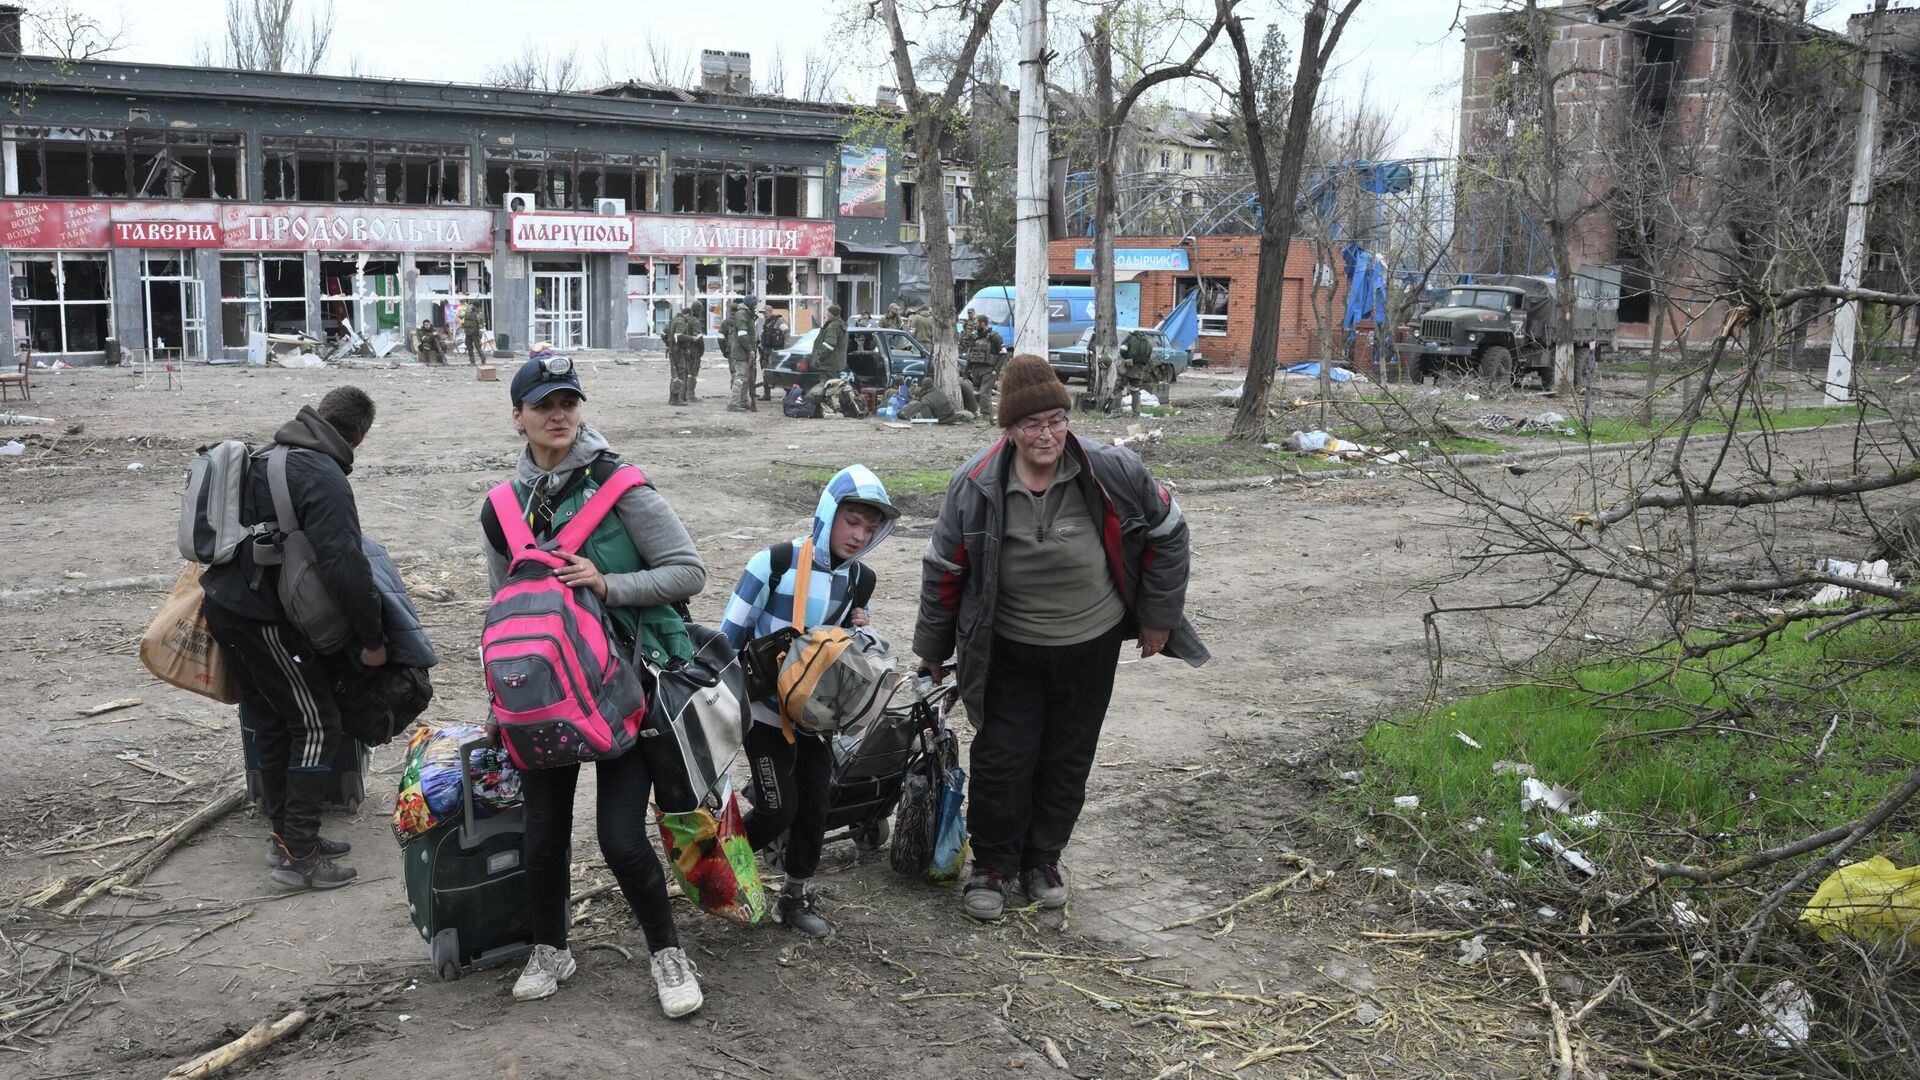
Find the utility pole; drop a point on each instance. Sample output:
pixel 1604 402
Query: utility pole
pixel 1030 189
pixel 1853 260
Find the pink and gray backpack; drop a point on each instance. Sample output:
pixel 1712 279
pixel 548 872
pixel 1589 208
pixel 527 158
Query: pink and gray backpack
pixel 561 691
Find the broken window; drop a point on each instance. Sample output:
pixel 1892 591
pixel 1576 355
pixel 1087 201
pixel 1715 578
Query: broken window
pixel 567 179
pixel 704 186
pixel 1212 305
pixel 104 163
pixel 318 169
pixel 447 284
pixel 359 291
pixel 62 299
pixel 262 293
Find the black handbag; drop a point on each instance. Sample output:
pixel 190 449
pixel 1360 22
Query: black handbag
pixel 697 719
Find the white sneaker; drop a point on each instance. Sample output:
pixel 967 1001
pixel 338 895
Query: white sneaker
pixel 546 969
pixel 676 978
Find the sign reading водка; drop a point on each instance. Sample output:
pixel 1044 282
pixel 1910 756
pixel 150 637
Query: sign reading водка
pixel 570 232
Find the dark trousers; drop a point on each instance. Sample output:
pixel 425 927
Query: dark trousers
pixel 621 821
pixel 1034 750
pixel 792 783
pixel 285 690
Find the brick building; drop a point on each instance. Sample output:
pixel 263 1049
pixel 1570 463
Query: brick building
pixel 1223 269
pixel 1673 157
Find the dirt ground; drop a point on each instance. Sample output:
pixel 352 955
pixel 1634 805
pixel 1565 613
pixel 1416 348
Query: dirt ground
pixel 1309 595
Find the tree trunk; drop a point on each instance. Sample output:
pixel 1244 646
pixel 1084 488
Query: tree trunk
pixel 1653 356
pixel 933 234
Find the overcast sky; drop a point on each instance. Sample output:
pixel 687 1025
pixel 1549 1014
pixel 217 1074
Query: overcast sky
pixel 1403 50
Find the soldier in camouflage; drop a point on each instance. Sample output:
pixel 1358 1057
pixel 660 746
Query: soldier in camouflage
pixel 985 356
pixel 892 320
pixel 927 399
pixel 686 344
pixel 736 335
pixel 470 328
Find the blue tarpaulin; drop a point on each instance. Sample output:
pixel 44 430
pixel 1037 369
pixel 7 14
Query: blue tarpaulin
pixel 1311 368
pixel 1182 324
pixel 1366 289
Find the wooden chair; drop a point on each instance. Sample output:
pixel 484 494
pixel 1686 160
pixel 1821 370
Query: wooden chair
pixel 22 378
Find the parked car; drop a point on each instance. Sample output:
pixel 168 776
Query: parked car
pixel 1070 363
pixel 876 357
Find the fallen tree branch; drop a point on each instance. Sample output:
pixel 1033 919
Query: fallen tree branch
pixel 218 1060
pixel 1707 875
pixel 1278 887
pixel 134 869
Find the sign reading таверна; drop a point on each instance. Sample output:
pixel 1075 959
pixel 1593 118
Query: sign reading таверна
pixel 1136 259
pixel 166 234
pixel 570 232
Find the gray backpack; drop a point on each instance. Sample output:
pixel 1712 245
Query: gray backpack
pixel 304 596
pixel 831 680
pixel 210 529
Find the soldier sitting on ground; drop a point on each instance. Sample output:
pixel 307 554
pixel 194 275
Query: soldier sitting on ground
pixel 430 349
pixel 927 399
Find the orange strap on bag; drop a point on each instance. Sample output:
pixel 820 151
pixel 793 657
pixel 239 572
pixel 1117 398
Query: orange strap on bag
pixel 802 578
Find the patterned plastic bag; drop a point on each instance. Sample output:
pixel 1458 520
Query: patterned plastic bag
pixel 713 862
pixel 950 830
pixel 430 780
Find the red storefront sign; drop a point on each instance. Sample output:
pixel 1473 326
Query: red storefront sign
pixel 93 225
pixel 664 235
pixel 570 232
pixel 166 234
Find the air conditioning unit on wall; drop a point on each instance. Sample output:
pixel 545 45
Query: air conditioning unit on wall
pixel 830 265
pixel 521 202
pixel 610 207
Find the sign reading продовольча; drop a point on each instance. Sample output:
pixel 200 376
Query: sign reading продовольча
pixel 1136 260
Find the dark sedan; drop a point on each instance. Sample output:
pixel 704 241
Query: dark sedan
pixel 875 357
pixel 1071 362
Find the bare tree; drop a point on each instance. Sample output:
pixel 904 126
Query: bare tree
pixel 537 69
pixel 668 62
pixel 58 29
pixel 269 35
pixel 774 82
pixel 1111 108
pixel 1277 184
pixel 929 115
pixel 820 75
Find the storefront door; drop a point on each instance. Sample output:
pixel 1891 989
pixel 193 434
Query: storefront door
pixel 560 308
pixel 858 294
pixel 176 309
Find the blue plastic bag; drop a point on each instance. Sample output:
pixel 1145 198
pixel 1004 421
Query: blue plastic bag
pixel 950 833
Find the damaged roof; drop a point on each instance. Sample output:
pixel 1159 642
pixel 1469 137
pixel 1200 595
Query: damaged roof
pixel 1606 10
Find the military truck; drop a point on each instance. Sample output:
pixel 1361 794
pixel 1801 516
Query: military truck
pixel 1503 327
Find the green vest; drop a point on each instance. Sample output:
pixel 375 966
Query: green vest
pixel 659 630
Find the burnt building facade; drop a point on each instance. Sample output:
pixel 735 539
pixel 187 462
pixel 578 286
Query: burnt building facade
pixel 184 210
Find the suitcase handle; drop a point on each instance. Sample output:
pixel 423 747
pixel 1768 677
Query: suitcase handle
pixel 469 830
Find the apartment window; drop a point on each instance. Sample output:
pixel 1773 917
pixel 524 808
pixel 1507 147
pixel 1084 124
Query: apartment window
pixel 263 293
pixel 568 179
pixel 62 299
pixel 111 163
pixel 959 200
pixel 760 189
pixel 1186 160
pixel 910 202
pixel 1213 305
pixel 310 168
pixel 1166 159
pixel 1210 163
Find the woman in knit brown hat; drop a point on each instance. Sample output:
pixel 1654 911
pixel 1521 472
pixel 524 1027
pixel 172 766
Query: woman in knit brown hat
pixel 1048 554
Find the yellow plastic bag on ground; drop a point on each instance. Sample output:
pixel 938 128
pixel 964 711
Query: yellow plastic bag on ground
pixel 1870 900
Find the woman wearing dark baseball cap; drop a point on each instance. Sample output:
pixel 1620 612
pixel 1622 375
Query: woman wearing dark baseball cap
pixel 640 562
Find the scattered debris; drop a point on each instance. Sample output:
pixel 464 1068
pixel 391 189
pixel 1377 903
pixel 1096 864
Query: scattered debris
pixel 1135 436
pixel 245 1048
pixel 1545 842
pixel 14 419
pixel 1871 899
pixel 1351 776
pixel 1407 802
pixel 1380 871
pixel 1684 915
pixel 1556 798
pixel 13 448
pixel 1517 768
pixel 135 467
pixel 1470 741
pixel 1789 1010
pixel 1366 1014
pixel 110 706
pixel 1472 951
pixel 1547 423
pixel 1873 573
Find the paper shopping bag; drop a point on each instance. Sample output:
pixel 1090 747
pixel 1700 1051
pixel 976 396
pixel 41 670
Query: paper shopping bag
pixel 180 649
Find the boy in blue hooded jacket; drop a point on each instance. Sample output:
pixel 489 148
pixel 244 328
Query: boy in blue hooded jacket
pixel 792 773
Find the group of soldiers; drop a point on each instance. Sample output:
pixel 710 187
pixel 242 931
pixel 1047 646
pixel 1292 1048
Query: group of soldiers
pixel 434 351
pixel 748 342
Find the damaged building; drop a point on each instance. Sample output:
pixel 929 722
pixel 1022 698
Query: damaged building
pixel 182 210
pixel 1706 149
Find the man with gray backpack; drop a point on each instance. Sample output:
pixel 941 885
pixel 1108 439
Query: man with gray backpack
pixel 285 677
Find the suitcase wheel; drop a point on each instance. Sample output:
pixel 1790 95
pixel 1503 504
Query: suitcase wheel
pixel 445 953
pixel 874 836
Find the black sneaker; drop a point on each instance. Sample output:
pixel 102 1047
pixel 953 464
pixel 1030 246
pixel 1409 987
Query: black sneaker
pixel 314 871
pixel 1045 885
pixel 797 913
pixel 277 852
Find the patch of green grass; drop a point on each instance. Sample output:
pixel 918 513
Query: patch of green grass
pixel 899 481
pixel 1734 791
pixel 1608 429
pixel 1196 440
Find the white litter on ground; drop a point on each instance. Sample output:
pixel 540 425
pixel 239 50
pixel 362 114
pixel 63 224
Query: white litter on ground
pixel 1789 1011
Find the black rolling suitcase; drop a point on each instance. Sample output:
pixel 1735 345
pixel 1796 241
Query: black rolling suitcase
pixel 467 884
pixel 346 784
